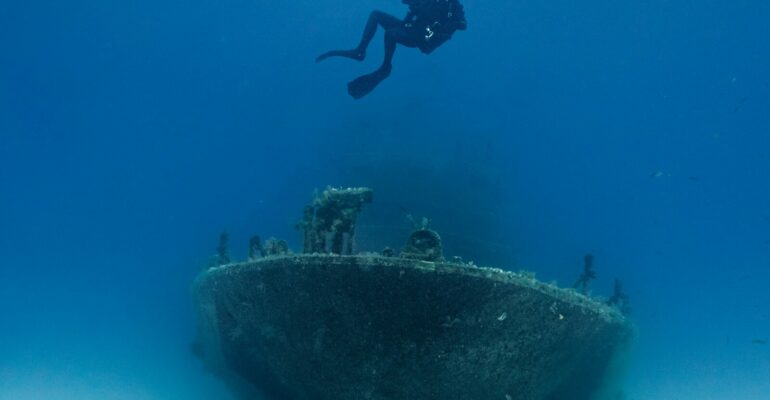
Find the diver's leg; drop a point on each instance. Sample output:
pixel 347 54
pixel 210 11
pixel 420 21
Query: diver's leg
pixel 387 21
pixel 391 39
pixel 394 36
pixel 364 84
pixel 359 53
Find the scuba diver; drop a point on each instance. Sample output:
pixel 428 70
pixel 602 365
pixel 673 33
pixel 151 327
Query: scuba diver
pixel 427 25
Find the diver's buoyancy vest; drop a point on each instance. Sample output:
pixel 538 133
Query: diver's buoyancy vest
pixel 435 20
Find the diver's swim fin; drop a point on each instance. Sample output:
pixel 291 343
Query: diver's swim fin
pixel 354 54
pixel 364 84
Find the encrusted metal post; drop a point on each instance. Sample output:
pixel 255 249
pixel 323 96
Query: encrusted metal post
pixel 329 224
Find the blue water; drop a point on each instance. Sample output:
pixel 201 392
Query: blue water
pixel 132 133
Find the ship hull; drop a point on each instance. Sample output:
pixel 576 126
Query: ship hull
pixel 369 327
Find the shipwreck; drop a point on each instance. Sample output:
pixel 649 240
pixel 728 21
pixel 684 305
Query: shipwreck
pixel 328 324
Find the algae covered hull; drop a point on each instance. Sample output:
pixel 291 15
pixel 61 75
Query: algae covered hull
pixel 316 326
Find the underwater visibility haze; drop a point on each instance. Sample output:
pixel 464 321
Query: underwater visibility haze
pixel 133 133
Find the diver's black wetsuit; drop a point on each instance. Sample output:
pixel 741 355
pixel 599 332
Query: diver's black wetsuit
pixel 427 25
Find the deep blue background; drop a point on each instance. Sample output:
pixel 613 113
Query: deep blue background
pixel 132 133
